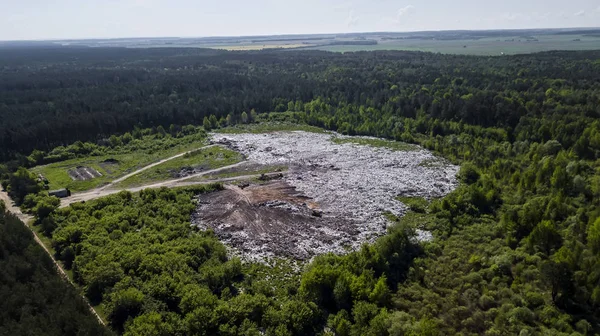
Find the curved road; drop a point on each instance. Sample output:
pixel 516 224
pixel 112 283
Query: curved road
pixel 180 182
pixel 107 190
pixel 123 178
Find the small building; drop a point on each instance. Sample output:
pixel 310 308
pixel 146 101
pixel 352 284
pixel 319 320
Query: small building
pixel 61 193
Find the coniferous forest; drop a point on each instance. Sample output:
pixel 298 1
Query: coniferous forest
pixel 517 244
pixel 35 299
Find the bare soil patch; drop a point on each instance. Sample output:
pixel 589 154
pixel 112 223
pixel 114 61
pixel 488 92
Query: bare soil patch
pixel 83 173
pixel 250 217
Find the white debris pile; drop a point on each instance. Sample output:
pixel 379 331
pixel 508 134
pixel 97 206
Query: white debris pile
pixel 354 182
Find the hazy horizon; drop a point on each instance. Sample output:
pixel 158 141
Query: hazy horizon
pixel 290 34
pixel 96 19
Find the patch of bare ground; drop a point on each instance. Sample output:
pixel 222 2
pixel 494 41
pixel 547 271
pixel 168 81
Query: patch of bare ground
pixel 248 217
pixel 109 165
pixel 332 199
pixel 83 173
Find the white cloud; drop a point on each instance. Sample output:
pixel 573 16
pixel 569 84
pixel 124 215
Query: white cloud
pixel 401 16
pixel 580 13
pixel 351 20
pixel 405 11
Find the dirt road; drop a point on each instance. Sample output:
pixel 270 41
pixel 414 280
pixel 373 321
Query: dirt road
pixel 180 182
pixel 27 219
pixel 12 208
pixel 107 190
pixel 121 179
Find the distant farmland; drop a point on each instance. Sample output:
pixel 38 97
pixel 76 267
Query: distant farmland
pixel 485 43
pixel 508 45
pixel 261 46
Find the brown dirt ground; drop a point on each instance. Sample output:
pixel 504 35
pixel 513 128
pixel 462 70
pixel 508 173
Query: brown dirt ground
pixel 272 217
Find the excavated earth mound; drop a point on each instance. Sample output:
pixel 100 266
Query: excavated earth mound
pixel 331 200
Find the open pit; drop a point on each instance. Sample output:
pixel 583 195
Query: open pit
pixel 332 199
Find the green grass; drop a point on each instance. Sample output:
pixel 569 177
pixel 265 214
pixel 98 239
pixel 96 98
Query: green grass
pixel 243 172
pixel 58 177
pixel 373 142
pixel 416 204
pixel 417 220
pixel 269 127
pixel 204 159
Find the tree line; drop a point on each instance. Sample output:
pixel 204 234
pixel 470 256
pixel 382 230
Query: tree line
pixel 71 94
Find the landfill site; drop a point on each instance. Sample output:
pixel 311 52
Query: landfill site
pixel 332 198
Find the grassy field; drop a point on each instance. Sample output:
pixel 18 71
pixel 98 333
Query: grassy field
pixel 416 204
pixel 269 127
pixel 242 171
pixel 259 46
pixel 204 159
pixel 58 177
pixel 483 43
pixel 509 45
pixel 374 142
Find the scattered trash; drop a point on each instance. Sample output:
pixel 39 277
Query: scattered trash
pixel 349 186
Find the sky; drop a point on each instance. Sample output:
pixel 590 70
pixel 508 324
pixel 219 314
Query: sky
pixel 76 19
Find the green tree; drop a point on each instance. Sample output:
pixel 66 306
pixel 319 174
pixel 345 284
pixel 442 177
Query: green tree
pixel 214 123
pixel 127 138
pixel 558 275
pixel 342 293
pixel 593 236
pixel 23 183
pixel 115 141
pixel 45 207
pixel 469 174
pixel 381 293
pixel 123 305
pixel 149 324
pixel 36 157
pixel 206 124
pixel 545 237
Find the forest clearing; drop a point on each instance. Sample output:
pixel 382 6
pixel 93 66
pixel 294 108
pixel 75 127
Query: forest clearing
pixel 332 198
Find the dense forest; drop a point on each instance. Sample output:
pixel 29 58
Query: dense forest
pixel 517 248
pixel 51 97
pixel 35 299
